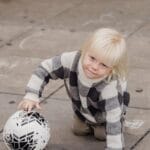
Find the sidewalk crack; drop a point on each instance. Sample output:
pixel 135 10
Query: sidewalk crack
pixel 140 139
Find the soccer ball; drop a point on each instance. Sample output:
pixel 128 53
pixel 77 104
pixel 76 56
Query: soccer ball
pixel 26 131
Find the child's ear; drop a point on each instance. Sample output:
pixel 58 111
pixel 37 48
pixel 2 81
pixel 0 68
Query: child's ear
pixel 112 71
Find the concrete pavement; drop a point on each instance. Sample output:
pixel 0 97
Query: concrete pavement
pixel 34 30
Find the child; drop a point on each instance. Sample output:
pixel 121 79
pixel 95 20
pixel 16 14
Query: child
pixel 97 86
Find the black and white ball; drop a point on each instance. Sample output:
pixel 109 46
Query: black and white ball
pixel 26 131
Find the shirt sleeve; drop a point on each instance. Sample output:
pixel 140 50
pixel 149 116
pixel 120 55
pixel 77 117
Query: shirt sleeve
pixel 114 134
pixel 125 94
pixel 57 67
pixel 113 109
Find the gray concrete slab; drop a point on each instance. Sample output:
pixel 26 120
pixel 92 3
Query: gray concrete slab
pixel 137 121
pixel 59 118
pixel 138 45
pixel 143 145
pixel 26 12
pixel 9 32
pixel 15 73
pixel 59 114
pixel 34 30
pixel 90 15
pixel 45 44
pixel 61 95
pixel 139 73
pixel 139 79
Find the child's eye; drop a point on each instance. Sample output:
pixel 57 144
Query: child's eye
pixel 104 65
pixel 92 57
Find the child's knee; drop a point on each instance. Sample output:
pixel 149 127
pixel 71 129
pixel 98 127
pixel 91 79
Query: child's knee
pixel 79 127
pixel 100 133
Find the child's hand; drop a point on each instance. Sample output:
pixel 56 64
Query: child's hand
pixel 28 105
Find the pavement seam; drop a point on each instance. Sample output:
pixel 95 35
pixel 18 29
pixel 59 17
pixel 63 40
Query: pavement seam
pixel 136 30
pixel 9 93
pixel 43 98
pixel 140 139
pixel 52 93
pixel 56 98
pixel 65 10
pixel 135 107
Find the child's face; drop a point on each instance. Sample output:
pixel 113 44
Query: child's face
pixel 93 67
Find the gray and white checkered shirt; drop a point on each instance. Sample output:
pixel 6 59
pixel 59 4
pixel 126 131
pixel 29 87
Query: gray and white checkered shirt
pixel 96 101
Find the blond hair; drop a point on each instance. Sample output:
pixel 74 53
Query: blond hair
pixel 110 45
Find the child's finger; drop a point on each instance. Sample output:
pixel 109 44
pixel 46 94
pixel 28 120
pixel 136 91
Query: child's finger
pixel 25 106
pixel 30 107
pixel 38 106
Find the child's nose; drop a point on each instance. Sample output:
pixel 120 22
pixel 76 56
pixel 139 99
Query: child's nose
pixel 95 66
